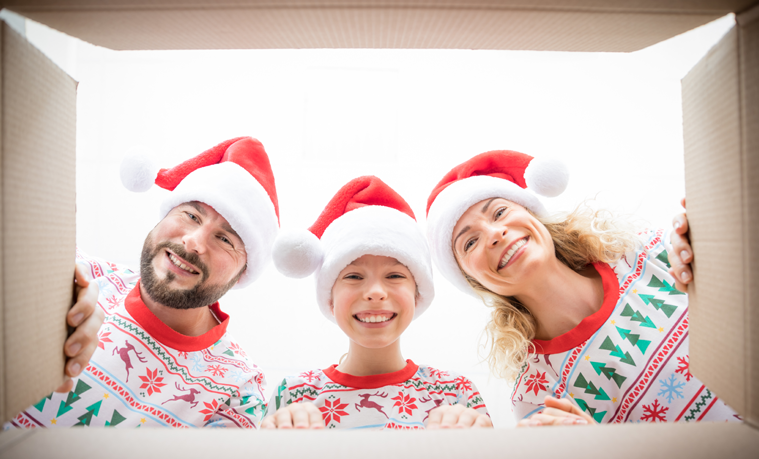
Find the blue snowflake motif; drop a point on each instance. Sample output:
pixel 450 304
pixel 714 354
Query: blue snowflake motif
pixel 671 388
pixel 197 362
pixel 239 375
pixel 217 423
pixel 106 289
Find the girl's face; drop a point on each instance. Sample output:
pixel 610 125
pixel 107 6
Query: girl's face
pixel 373 300
pixel 502 245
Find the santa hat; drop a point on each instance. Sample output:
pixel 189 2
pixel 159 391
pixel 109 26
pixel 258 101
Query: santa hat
pixel 496 174
pixel 365 217
pixel 234 178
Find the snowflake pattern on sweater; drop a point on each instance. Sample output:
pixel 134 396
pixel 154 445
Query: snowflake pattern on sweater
pixel 400 400
pixel 629 361
pixel 144 374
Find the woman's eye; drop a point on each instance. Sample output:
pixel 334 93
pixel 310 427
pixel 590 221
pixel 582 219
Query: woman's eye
pixel 468 244
pixel 499 212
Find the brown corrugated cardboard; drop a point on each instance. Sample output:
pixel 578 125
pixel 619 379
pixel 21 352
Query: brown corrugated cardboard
pixel 721 116
pixel 721 160
pixel 617 441
pixel 38 220
pixel 576 25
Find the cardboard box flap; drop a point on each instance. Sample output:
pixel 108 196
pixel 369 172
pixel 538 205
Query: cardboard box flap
pixel 38 221
pixel 577 25
pixel 721 135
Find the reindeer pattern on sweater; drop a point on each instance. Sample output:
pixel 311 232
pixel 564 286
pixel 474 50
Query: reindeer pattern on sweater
pixel 400 400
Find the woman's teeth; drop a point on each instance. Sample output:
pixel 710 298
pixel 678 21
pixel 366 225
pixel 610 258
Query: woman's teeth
pixel 517 245
pixel 181 265
pixel 374 319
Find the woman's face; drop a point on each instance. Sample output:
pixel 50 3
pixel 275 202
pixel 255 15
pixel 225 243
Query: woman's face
pixel 502 245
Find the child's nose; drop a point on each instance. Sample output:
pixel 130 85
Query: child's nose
pixel 376 292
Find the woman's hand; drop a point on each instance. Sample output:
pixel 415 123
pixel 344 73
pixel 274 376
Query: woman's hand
pixel 86 318
pixel 295 416
pixel 682 253
pixel 558 412
pixel 457 417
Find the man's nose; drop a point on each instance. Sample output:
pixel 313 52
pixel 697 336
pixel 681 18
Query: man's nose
pixel 195 241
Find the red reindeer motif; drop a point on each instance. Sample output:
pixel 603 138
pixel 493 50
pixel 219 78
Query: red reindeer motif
pixel 365 403
pixel 438 402
pixel 189 398
pixel 124 354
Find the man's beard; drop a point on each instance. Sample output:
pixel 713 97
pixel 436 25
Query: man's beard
pixel 159 291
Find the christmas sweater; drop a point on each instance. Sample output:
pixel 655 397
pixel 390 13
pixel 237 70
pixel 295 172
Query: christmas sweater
pixel 629 361
pixel 144 374
pixel 399 400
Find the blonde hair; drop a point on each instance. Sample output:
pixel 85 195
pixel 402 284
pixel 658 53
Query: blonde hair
pixel 581 237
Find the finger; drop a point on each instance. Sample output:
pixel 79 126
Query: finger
pixel 466 419
pixel 680 223
pixel 315 418
pixel 436 417
pixel 565 406
pixel 67 385
pixel 682 202
pixel 483 421
pixel 268 423
pixel 451 417
pixel 300 415
pixel 284 419
pixel 529 422
pixel 81 276
pixel 85 306
pixel 84 335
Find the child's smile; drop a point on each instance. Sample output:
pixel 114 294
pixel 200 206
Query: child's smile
pixel 374 300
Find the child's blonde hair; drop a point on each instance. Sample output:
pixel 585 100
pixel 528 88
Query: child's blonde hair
pixel 581 237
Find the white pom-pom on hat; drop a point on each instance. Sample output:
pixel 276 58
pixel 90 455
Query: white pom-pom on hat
pixel 297 253
pixel 138 171
pixel 546 177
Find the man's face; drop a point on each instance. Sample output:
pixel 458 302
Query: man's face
pixel 191 258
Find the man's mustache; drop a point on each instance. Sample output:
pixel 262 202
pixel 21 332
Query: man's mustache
pixel 179 250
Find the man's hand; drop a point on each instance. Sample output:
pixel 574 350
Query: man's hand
pixel 682 253
pixel 457 417
pixel 295 416
pixel 558 412
pixel 86 318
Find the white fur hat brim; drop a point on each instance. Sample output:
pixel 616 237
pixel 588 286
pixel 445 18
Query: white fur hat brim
pixel 451 204
pixel 374 230
pixel 242 201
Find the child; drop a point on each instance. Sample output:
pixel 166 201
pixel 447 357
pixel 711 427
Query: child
pixel 373 277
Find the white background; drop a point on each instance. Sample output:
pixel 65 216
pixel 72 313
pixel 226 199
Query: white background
pixel 407 116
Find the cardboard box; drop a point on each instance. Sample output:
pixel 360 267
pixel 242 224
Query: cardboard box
pixel 37 167
pixel 721 131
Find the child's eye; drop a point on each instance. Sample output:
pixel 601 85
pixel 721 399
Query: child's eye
pixel 396 276
pixel 499 212
pixel 468 244
pixel 353 276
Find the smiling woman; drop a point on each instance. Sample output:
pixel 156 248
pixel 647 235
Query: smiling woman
pixel 582 305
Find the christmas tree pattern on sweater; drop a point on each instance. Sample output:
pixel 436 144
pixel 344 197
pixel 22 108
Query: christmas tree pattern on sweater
pixel 629 361
pixel 400 400
pixel 143 374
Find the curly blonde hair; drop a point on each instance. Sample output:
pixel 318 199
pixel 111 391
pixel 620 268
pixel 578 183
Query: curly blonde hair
pixel 581 237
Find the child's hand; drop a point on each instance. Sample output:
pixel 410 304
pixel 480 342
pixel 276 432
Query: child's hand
pixel 457 417
pixel 86 318
pixel 295 416
pixel 682 254
pixel 557 412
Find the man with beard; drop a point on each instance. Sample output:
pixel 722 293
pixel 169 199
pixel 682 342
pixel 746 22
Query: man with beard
pixel 164 357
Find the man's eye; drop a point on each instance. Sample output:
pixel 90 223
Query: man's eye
pixel 192 216
pixel 225 239
pixel 468 244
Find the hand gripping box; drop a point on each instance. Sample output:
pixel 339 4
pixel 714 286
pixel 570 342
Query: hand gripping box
pixel 721 138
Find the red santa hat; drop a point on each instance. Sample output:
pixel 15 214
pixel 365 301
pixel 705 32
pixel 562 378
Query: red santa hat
pixel 503 174
pixel 234 178
pixel 365 217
